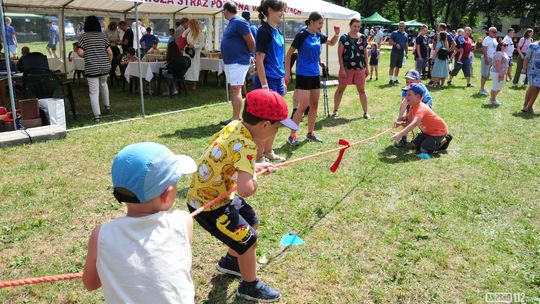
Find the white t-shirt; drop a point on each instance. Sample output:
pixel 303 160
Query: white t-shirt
pixel 491 44
pixel 145 259
pixel 379 37
pixel 510 48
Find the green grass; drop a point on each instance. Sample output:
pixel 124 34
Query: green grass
pixel 385 228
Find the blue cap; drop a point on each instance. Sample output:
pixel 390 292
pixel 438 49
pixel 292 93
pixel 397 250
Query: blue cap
pixel 412 74
pixel 147 169
pixel 417 88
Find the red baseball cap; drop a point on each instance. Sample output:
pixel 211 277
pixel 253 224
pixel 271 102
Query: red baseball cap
pixel 267 104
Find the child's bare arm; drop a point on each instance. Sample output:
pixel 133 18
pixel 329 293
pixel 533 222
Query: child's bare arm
pixel 407 129
pixel 402 108
pixel 246 184
pixel 90 276
pixel 188 220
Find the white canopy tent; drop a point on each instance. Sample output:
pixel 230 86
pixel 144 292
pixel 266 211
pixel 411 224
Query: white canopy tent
pixel 166 8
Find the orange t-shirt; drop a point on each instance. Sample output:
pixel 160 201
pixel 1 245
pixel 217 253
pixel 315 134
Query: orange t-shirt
pixel 430 123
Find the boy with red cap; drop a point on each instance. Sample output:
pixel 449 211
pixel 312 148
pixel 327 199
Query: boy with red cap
pixel 231 159
pixel 434 131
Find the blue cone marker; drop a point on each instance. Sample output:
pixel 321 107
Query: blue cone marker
pixel 423 156
pixel 290 239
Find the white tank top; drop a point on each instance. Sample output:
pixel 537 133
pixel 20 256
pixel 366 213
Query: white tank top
pixel 145 259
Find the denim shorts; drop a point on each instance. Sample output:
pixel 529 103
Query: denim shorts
pixel 232 224
pixel 274 84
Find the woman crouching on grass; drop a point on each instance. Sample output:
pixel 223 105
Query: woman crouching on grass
pixel 308 83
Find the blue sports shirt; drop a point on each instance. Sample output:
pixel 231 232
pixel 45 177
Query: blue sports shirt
pixel 233 45
pixel 271 42
pixel 309 52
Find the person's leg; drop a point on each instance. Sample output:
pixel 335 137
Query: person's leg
pixel 528 94
pixel 393 64
pixel 509 71
pixel 236 96
pixel 430 144
pixel 93 88
pixel 519 67
pixel 104 92
pixel 532 97
pixel 360 81
pixel 313 106
pixel 303 102
pixel 338 95
pixel 377 72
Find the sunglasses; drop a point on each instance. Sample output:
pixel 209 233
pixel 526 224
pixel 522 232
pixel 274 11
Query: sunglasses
pixel 505 45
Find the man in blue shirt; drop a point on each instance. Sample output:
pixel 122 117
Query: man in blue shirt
pixel 148 39
pixel 252 28
pixel 237 46
pixel 398 40
pixel 11 38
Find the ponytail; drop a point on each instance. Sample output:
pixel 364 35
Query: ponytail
pixel 314 16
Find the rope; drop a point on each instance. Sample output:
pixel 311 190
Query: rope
pixel 46 279
pixel 71 276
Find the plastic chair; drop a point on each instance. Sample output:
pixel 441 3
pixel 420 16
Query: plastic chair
pixel 176 70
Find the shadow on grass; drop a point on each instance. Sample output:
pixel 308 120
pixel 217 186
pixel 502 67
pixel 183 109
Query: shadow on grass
pixel 387 85
pixel 478 96
pixel 393 155
pixel 332 122
pixel 516 88
pixel 526 115
pixel 218 294
pixel 322 214
pixel 197 132
pixel 490 106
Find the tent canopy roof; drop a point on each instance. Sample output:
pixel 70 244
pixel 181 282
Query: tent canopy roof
pixel 411 23
pixel 376 19
pixel 296 8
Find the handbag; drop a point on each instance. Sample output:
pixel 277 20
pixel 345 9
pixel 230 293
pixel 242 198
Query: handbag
pixel 442 54
pixel 189 51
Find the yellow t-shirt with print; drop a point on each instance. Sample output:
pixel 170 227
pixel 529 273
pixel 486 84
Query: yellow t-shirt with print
pixel 232 149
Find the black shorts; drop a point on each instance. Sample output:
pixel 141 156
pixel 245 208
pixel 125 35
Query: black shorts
pixel 232 224
pixel 308 82
pixel 396 59
pixel 51 46
pixel 427 143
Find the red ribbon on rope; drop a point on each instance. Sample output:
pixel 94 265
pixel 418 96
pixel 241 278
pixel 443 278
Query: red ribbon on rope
pixel 347 145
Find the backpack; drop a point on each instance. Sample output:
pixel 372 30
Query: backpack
pixel 442 54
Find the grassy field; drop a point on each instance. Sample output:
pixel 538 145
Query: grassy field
pixel 385 228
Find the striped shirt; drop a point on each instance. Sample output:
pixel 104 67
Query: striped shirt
pixel 96 59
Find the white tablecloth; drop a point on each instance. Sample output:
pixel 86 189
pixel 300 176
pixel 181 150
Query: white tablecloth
pixel 77 64
pixel 148 69
pixel 56 64
pixel 212 64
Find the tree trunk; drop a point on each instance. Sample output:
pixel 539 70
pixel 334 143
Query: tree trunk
pixel 401 7
pixel 429 5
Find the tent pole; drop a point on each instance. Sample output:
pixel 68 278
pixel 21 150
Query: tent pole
pixel 221 37
pixel 326 44
pixel 137 32
pixel 64 49
pixel 8 68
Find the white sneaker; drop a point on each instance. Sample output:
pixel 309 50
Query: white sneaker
pixel 495 102
pixel 262 160
pixel 271 156
pixel 482 92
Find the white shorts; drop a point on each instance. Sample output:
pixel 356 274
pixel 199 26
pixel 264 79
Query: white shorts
pixel 496 84
pixel 236 73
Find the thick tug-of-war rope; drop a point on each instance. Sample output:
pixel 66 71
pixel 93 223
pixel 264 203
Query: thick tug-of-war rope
pixel 344 146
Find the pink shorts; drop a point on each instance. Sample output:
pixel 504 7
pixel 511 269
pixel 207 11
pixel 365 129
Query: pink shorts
pixel 356 77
